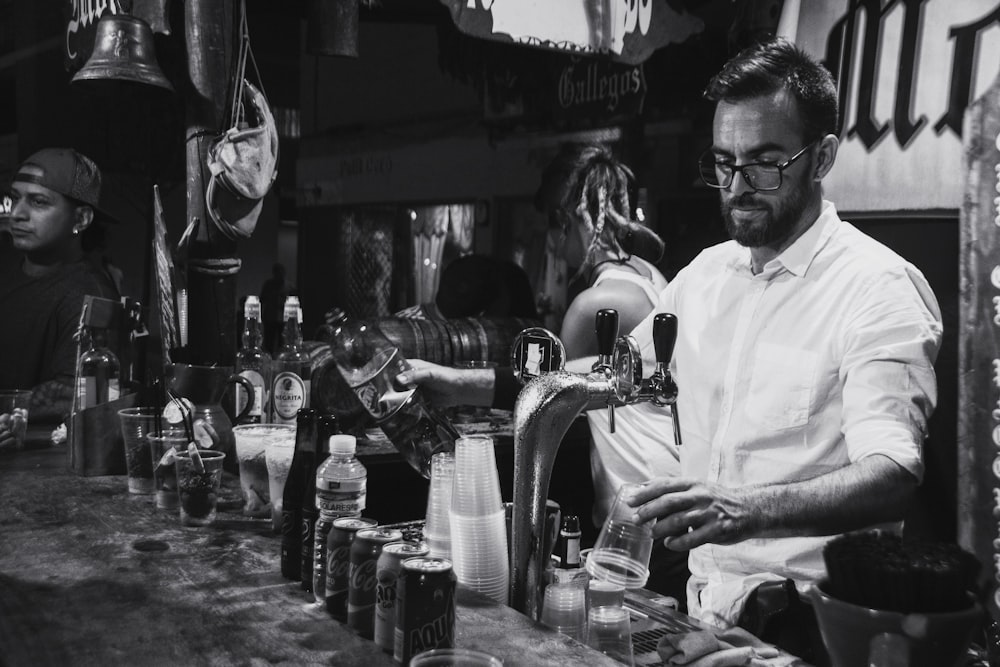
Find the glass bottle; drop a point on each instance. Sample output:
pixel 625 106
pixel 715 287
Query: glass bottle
pixel 291 509
pixel 326 426
pixel 253 363
pixel 292 369
pixel 369 362
pixel 97 372
pixel 568 545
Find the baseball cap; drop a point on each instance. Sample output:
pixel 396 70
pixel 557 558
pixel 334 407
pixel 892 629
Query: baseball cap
pixel 67 172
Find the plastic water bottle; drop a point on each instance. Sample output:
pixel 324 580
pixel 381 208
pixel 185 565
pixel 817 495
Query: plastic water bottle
pixel 341 488
pixel 369 362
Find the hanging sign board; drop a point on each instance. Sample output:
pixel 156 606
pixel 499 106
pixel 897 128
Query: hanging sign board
pixel 906 71
pixel 626 30
pixel 81 27
pixel 592 88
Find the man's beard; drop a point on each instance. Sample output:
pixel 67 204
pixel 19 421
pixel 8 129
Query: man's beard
pixel 774 226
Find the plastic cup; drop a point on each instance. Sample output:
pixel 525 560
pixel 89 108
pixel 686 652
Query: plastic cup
pixel 198 486
pixel 602 593
pixel 164 470
pixel 14 405
pixel 621 552
pixel 251 454
pixel 564 609
pixel 476 488
pixel 437 523
pixel 137 424
pixel 446 657
pixel 609 630
pixel 278 457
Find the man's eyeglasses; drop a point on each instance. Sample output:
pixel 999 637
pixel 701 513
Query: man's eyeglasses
pixel 760 176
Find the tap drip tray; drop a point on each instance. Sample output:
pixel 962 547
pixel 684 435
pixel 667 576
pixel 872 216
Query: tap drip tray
pixel 653 616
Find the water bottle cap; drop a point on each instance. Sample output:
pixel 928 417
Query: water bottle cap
pixel 342 444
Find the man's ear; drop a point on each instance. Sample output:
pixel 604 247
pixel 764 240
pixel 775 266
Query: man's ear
pixel 84 216
pixel 826 155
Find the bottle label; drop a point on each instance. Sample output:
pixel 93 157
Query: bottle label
pixel 290 393
pixel 257 380
pixel 381 404
pixel 114 392
pixel 86 392
pixel 341 503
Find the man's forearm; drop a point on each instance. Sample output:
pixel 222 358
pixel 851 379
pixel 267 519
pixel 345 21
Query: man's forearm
pixel 871 491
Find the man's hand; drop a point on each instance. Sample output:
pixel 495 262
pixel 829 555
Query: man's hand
pixel 445 387
pixel 690 513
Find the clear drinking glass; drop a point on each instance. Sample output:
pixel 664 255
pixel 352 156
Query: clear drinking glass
pixel 198 483
pixel 137 424
pixel 609 630
pixel 622 549
pixel 164 470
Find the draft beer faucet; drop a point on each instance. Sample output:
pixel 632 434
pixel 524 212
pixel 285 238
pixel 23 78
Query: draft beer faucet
pixel 545 408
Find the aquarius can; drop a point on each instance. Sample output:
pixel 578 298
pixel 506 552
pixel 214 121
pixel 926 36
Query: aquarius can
pixel 365 550
pixel 387 570
pixel 338 562
pixel 425 607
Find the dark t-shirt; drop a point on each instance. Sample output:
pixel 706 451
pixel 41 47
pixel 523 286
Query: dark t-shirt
pixel 38 319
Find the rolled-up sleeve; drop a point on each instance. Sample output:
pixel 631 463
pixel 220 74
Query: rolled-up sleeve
pixel 891 342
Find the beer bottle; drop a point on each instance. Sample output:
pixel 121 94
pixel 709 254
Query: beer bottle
pixel 568 546
pixel 97 372
pixel 291 508
pixel 253 363
pixel 292 369
pixel 326 426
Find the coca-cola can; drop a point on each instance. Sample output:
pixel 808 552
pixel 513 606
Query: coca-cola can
pixel 365 550
pixel 387 570
pixel 425 607
pixel 338 562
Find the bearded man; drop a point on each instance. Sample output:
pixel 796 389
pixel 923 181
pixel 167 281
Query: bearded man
pixel 804 358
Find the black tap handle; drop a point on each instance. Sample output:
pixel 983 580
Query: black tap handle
pixel 664 336
pixel 606 328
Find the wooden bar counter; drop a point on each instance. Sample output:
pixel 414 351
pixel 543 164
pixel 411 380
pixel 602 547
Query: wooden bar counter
pixel 91 575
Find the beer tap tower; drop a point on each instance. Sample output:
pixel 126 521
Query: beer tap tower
pixel 546 407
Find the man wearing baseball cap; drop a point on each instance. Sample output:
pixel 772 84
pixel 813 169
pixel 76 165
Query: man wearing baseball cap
pixel 55 219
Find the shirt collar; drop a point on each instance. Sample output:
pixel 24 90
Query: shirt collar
pixel 797 257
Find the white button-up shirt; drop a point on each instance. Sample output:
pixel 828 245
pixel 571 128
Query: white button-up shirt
pixel 822 359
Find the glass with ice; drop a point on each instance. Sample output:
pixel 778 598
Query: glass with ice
pixel 278 456
pixel 251 448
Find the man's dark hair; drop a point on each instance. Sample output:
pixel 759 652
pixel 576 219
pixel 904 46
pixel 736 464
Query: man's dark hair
pixel 766 68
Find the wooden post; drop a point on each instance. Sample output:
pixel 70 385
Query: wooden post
pixel 979 342
pixel 212 264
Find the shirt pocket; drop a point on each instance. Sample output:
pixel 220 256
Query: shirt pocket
pixel 781 386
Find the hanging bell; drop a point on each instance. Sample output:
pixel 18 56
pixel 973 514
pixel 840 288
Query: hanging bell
pixel 123 51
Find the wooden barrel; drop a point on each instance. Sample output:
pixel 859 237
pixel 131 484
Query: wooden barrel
pixel 486 338
pixel 419 338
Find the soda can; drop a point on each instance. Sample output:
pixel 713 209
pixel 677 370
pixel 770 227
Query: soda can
pixel 365 550
pixel 338 562
pixel 387 570
pixel 425 607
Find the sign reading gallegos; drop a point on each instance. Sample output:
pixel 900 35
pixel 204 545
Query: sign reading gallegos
pixel 626 30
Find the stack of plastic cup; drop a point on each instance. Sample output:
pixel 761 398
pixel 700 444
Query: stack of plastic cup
pixel 437 524
pixel 564 609
pixel 478 528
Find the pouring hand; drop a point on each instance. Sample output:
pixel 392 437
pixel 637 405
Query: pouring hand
pixel 690 512
pixel 445 387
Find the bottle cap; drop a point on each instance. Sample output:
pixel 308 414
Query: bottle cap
pixel 251 309
pixel 292 307
pixel 342 444
pixel 571 524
